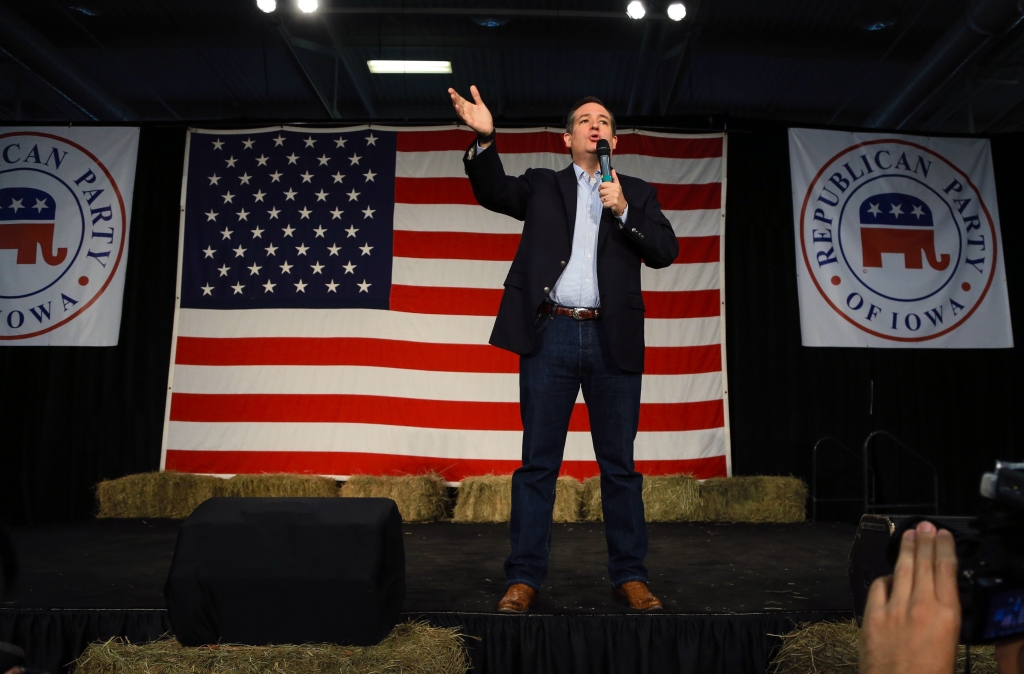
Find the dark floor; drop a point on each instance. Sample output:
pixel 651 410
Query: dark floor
pixel 694 568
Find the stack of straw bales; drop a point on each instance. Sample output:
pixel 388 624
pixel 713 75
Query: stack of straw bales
pixel 420 498
pixel 167 494
pixel 488 498
pixel 176 495
pixel 667 498
pixel 831 648
pixel 411 648
pixel 681 498
pixel 756 498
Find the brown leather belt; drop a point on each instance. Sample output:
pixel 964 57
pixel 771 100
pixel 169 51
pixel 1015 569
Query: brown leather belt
pixel 580 314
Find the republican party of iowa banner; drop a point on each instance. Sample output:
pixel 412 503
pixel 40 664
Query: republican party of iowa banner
pixel 65 204
pixel 897 241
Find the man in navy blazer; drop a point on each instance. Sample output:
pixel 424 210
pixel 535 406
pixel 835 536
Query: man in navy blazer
pixel 573 311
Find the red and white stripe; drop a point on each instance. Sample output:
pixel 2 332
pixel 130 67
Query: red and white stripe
pixel 417 388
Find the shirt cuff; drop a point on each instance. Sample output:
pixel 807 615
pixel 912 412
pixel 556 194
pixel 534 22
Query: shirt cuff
pixel 625 212
pixel 481 149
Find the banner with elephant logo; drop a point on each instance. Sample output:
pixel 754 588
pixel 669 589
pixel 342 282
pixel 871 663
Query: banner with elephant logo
pixel 897 241
pixel 65 205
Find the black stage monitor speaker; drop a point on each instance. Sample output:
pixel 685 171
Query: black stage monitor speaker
pixel 287 571
pixel 868 558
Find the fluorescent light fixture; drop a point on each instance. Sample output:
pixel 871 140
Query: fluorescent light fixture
pixel 308 6
pixel 676 11
pixel 433 67
pixel 267 6
pixel 635 10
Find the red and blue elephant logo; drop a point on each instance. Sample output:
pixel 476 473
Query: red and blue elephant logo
pixel 899 224
pixel 27 220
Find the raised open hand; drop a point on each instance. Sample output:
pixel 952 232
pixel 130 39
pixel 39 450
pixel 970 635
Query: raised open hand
pixel 475 114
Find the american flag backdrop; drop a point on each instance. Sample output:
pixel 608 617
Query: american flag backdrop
pixel 337 287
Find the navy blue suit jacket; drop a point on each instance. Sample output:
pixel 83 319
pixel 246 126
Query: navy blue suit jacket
pixel 545 201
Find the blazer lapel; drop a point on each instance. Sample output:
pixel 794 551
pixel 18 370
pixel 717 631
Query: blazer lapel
pixel 567 182
pixel 607 222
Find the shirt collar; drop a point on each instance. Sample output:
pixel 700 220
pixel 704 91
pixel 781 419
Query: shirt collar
pixel 580 172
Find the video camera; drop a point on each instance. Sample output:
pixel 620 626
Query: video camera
pixel 991 563
pixel 990 557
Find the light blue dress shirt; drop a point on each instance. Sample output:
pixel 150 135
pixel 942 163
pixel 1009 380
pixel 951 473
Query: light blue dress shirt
pixel 577 286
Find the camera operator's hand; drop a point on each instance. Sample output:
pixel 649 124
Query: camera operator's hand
pixel 913 625
pixel 1010 657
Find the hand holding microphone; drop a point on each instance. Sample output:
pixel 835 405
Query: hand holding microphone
pixel 610 190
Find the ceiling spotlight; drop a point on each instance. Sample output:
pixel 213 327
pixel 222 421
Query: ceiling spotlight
pixel 676 11
pixel 267 6
pixel 308 6
pixel 382 67
pixel 635 10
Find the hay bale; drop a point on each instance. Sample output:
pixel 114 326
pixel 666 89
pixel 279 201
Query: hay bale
pixel 831 648
pixel 681 498
pixel 760 498
pixel 590 508
pixel 484 498
pixel 420 498
pixel 818 647
pixel 568 500
pixel 411 648
pixel 488 498
pixel 163 494
pixel 281 484
pixel 667 498
pixel 671 498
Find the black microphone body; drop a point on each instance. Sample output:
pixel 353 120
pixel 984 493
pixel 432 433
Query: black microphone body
pixel 604 155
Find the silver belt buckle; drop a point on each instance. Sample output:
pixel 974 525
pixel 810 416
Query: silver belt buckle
pixel 576 313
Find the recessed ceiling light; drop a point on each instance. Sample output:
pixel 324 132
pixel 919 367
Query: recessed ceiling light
pixel 635 10
pixel 676 11
pixel 430 67
pixel 267 6
pixel 308 6
pixel 881 24
pixel 490 21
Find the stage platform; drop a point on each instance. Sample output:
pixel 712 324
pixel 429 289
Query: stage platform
pixel 728 589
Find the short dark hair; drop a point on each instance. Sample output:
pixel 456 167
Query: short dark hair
pixel 570 119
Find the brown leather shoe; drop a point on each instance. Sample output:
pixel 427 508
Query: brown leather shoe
pixel 636 595
pixel 517 599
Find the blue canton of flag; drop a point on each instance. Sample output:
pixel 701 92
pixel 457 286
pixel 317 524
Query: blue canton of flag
pixel 289 219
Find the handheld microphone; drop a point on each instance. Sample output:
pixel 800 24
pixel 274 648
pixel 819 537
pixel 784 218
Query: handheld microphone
pixel 604 155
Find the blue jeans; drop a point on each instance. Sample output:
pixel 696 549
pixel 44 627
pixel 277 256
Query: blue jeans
pixel 570 354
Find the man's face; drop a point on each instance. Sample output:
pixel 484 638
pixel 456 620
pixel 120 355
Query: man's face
pixel 592 123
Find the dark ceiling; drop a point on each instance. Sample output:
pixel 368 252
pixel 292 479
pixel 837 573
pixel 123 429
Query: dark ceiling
pixel 916 65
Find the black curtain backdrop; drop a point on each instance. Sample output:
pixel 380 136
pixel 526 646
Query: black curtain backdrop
pixel 70 417
pixel 73 416
pixel 960 408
